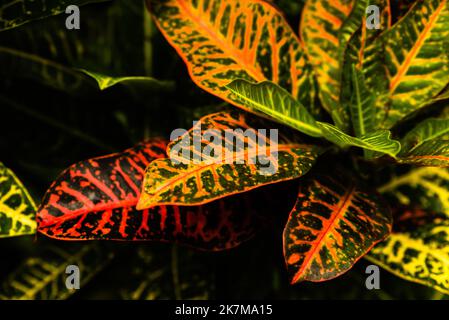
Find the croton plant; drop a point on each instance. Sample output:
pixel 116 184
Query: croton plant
pixel 363 137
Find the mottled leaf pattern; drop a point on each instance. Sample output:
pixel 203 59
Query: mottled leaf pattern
pixel 334 223
pixel 426 187
pixel 96 199
pixel 417 57
pixel 222 41
pixel 324 32
pixel 199 178
pixel 425 131
pixel 43 277
pixel 434 153
pixel 17 208
pixel 268 98
pixel 418 249
pixel 378 141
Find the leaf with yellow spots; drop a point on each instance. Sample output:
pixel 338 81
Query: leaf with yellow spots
pixel 223 155
pixel 333 224
pixel 417 59
pixel 221 41
pixel 325 34
pixel 426 187
pixel 17 208
pixel 418 249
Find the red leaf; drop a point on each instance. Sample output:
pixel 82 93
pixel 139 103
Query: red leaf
pixel 95 200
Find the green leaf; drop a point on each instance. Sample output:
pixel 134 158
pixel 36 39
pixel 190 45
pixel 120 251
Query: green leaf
pixel 17 63
pixel 269 98
pixel 434 153
pixel 105 81
pixel 43 277
pixel 378 141
pixel 161 274
pixel 15 13
pixel 426 188
pixel 427 130
pixel 362 105
pixel 417 59
pixel 17 208
pixel 333 224
pixel 418 250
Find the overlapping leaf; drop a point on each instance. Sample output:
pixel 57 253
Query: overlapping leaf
pixel 224 154
pixel 268 98
pixel 221 41
pixel 43 277
pixel 15 13
pixel 96 199
pixel 334 223
pixel 417 59
pixel 324 32
pixel 434 153
pixel 426 187
pixel 424 132
pixel 176 274
pixel 418 249
pixel 378 141
pixel 17 208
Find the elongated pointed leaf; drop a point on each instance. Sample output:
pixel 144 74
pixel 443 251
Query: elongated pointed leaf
pixel 193 176
pixel 15 13
pixel 43 277
pixel 17 208
pixel 222 41
pixel 418 63
pixel 169 274
pixel 424 132
pixel 434 153
pixel 362 105
pixel 418 250
pixel 325 31
pixel 96 199
pixel 105 81
pixel 334 223
pixel 268 98
pixel 426 188
pixel 378 141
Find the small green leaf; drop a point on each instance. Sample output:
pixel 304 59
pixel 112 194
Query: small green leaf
pixel 17 208
pixel 105 81
pixel 378 141
pixel 269 98
pixel 425 131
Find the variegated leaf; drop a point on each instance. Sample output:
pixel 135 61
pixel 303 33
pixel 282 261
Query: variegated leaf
pixel 222 41
pixel 269 98
pixel 325 31
pixel 378 141
pixel 424 132
pixel 43 276
pixel 17 208
pixel 434 153
pixel 417 58
pixel 418 249
pixel 427 188
pixel 96 199
pixel 334 224
pixel 224 154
